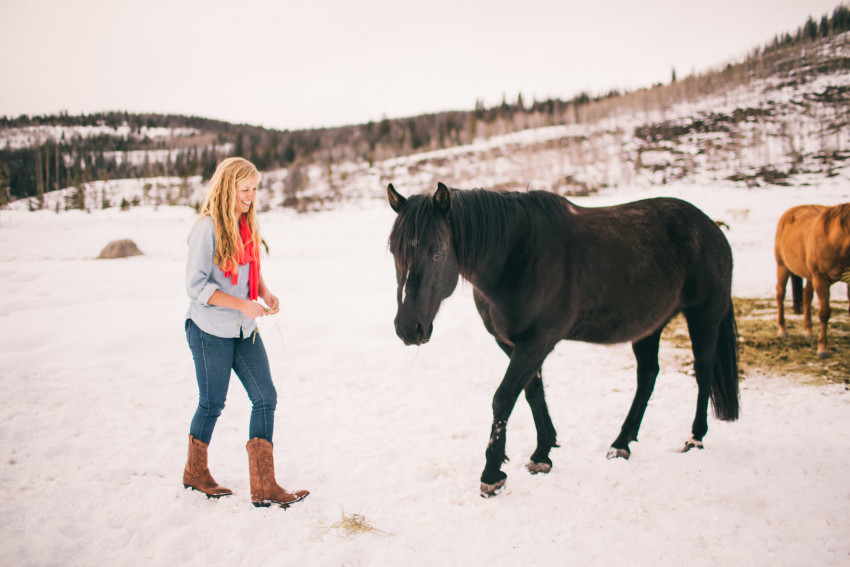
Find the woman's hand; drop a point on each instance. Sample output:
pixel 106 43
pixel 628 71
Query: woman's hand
pixel 272 302
pixel 252 309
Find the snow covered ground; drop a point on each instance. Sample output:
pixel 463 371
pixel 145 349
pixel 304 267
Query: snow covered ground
pixel 97 389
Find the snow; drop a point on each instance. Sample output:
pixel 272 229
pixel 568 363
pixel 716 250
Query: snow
pixel 98 389
pixel 25 136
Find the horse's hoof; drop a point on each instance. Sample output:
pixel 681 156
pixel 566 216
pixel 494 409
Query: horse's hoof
pixel 491 490
pixel 536 468
pixel 614 453
pixel 823 354
pixel 782 334
pixel 692 444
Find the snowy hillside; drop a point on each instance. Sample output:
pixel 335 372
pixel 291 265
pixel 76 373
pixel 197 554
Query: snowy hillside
pixel 770 131
pixel 27 136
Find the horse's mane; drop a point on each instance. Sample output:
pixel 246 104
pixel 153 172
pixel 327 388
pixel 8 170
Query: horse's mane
pixel 414 223
pixel 472 211
pixel 480 223
pixel 838 213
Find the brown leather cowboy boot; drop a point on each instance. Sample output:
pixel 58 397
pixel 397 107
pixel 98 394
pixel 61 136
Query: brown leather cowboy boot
pixel 197 476
pixel 264 489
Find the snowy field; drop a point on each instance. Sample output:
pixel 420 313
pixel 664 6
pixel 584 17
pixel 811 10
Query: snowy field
pixel 97 389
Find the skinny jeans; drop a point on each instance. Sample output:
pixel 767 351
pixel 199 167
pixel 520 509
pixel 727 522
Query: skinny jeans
pixel 215 358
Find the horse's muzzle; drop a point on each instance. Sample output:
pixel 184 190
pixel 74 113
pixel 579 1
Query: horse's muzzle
pixel 413 334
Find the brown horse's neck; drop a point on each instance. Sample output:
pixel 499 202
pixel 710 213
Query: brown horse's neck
pixel 840 215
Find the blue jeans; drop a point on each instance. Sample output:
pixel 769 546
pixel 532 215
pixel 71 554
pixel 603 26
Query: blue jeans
pixel 215 357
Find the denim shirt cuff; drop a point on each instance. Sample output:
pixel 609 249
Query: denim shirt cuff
pixel 206 293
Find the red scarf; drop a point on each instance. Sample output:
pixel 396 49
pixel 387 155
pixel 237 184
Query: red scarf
pixel 251 255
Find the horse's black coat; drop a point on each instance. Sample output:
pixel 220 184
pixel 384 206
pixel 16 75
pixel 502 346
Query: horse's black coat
pixel 545 270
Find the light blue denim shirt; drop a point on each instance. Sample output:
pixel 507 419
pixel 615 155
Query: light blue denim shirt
pixel 204 277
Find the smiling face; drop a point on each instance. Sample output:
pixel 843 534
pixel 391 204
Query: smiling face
pixel 246 194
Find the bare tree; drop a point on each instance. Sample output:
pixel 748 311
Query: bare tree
pixel 39 182
pixel 296 180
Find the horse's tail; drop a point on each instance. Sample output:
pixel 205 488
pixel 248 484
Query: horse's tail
pixel 797 293
pixel 724 387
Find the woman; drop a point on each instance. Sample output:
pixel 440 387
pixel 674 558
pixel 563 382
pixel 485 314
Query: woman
pixel 223 281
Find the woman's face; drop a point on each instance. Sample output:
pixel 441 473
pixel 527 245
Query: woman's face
pixel 246 194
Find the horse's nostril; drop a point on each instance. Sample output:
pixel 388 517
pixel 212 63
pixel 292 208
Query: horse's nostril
pixel 411 333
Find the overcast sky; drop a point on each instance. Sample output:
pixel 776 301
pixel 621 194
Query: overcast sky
pixel 312 63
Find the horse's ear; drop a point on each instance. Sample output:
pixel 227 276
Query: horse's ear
pixel 443 198
pixel 396 201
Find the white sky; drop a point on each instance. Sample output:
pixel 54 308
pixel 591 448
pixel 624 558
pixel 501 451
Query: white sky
pixel 311 63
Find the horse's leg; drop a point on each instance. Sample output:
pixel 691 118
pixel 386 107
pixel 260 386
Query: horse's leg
pixel 704 331
pixel 646 353
pixel 526 359
pixel 808 293
pixel 797 293
pixel 821 286
pixel 546 436
pixel 782 275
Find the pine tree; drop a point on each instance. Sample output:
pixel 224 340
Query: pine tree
pixel 810 30
pixel 5 195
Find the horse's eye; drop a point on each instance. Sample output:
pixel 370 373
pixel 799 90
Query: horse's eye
pixel 439 253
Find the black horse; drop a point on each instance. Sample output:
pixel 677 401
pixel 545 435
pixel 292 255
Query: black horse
pixel 545 270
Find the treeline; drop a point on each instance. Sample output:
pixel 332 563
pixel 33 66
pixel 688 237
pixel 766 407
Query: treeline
pixel 838 23
pixel 65 150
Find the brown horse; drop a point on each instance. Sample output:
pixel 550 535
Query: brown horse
pixel 812 242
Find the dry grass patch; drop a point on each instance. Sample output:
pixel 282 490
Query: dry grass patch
pixel 351 525
pixel 762 352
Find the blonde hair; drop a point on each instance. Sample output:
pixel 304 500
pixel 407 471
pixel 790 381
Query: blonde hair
pixel 220 206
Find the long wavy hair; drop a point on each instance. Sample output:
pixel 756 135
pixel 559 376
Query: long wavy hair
pixel 220 206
